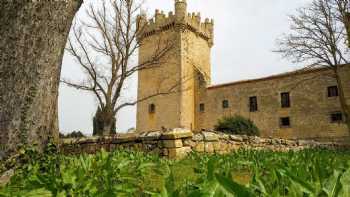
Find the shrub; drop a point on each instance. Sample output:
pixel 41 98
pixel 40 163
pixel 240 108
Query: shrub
pixel 101 122
pixel 237 125
pixel 74 134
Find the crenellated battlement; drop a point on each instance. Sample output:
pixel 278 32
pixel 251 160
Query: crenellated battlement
pixel 179 20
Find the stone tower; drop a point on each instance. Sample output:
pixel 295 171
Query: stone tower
pixel 180 73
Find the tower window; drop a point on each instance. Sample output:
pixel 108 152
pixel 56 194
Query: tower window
pixel 201 107
pixel 225 104
pixel 253 104
pixel 332 91
pixel 285 100
pixel 152 108
pixel 285 122
pixel 336 117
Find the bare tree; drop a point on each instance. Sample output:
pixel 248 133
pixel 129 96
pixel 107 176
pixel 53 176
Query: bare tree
pixel 343 15
pixel 105 45
pixel 347 25
pixel 318 37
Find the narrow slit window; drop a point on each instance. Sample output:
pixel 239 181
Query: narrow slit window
pixel 253 104
pixel 152 108
pixel 285 100
pixel 201 107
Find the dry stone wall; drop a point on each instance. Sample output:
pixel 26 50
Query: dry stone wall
pixel 178 143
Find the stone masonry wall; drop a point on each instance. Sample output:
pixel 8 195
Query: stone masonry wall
pixel 191 39
pixel 309 112
pixel 178 143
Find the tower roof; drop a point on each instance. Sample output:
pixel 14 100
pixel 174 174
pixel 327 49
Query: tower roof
pixel 181 18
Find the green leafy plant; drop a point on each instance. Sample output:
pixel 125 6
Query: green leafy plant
pixel 127 173
pixel 237 125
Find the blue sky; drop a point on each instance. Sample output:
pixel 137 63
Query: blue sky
pixel 245 34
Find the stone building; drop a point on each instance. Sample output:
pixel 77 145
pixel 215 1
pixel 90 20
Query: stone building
pixel 301 104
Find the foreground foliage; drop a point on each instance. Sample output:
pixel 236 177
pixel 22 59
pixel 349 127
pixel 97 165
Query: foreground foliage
pixel 243 173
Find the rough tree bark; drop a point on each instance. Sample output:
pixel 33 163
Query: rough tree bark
pixel 33 37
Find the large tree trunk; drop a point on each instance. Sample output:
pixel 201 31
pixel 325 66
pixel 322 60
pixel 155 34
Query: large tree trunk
pixel 33 37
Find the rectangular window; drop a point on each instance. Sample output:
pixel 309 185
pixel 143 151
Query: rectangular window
pixel 285 100
pixel 253 104
pixel 285 122
pixel 225 104
pixel 333 91
pixel 151 108
pixel 201 107
pixel 336 117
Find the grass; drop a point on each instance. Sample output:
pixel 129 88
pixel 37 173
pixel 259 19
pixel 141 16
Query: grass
pixel 242 173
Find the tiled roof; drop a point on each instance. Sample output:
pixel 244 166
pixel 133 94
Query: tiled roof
pixel 273 77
